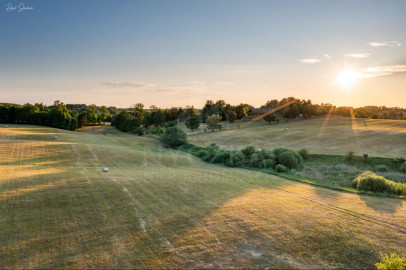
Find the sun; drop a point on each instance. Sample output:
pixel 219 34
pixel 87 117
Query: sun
pixel 347 78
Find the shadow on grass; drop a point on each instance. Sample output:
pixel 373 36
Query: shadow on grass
pixel 381 204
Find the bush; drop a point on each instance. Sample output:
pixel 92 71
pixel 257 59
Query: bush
pixel 171 124
pixel 402 168
pixel 304 153
pixel 281 168
pixel 248 151
pixel 139 131
pixel 350 156
pixel 255 160
pixel 237 158
pixel 221 156
pixel 399 161
pixel 288 158
pixel 267 163
pixel 213 148
pixel 174 137
pixel 368 181
pixel 202 153
pixel 382 168
pixel 155 130
pixel 262 159
pixel 365 157
pixel 393 261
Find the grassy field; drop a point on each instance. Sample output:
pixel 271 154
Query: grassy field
pixel 161 208
pixel 329 135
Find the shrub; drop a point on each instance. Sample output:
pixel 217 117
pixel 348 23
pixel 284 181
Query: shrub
pixel 281 168
pixel 255 160
pixel 171 124
pixel 267 163
pixel 393 261
pixel 279 150
pixel 221 156
pixel 139 131
pixel 174 137
pixel 382 168
pixel 248 151
pixel 368 181
pixel 350 156
pixel 237 158
pixel 262 159
pixel 213 148
pixel 288 158
pixel 202 153
pixel 402 168
pixel 365 157
pixel 155 130
pixel 304 153
pixel 399 161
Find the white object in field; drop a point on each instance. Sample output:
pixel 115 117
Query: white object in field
pixel 6 126
pixel 56 138
pixel 300 115
pixel 286 128
pixel 105 169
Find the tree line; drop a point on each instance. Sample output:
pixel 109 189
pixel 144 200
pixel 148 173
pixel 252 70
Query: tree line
pixel 58 115
pixel 139 119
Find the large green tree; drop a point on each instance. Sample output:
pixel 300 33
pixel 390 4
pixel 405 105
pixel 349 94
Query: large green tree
pixel 193 122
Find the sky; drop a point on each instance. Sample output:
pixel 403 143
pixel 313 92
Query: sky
pixel 184 52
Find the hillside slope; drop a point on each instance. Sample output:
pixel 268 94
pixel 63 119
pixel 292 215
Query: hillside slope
pixel 327 135
pixel 162 208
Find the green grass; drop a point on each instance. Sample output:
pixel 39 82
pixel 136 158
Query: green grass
pixel 337 171
pixel 327 135
pixel 161 208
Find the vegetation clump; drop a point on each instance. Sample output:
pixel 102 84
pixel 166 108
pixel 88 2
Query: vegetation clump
pixel 350 156
pixel 304 153
pixel 174 137
pixel 262 159
pixel 368 181
pixel 392 261
pixel 193 122
pixel 288 158
pixel 281 168
pixel 382 168
pixel 248 151
pixel 237 159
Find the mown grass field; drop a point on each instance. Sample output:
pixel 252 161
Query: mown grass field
pixel 161 208
pixel 327 135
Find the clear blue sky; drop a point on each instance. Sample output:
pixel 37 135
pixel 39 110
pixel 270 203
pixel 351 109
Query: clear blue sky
pixel 176 53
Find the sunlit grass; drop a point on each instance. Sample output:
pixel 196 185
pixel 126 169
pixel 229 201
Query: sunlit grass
pixel 327 135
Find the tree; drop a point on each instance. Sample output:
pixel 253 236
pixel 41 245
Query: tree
pixel 138 111
pixel 193 122
pixel 230 115
pixel 213 122
pixel 270 117
pixel 174 137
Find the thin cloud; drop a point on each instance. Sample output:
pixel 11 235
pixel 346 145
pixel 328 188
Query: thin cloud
pixel 310 60
pixel 358 55
pixel 382 71
pixel 385 43
pixel 326 55
pixel 224 83
pixel 128 84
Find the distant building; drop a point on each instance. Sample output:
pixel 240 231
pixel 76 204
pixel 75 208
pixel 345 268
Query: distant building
pixel 253 112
